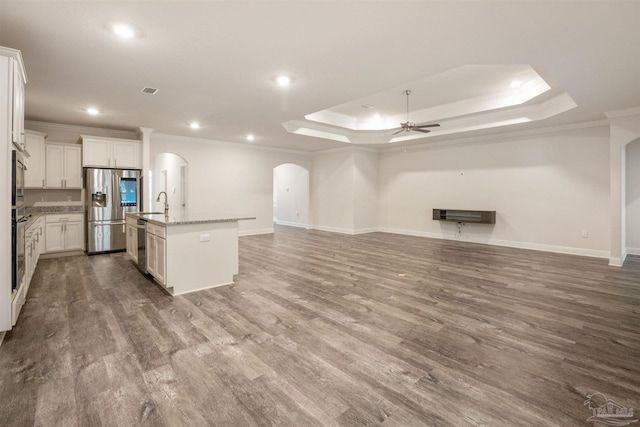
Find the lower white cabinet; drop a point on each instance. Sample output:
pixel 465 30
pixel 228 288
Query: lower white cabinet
pixel 157 252
pixel 34 237
pixel 132 239
pixel 64 232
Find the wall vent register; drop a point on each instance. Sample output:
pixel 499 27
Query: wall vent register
pixel 467 216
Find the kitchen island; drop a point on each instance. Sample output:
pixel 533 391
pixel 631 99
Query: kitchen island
pixel 185 252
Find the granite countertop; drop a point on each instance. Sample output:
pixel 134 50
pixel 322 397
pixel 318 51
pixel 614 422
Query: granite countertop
pixel 185 218
pixel 55 209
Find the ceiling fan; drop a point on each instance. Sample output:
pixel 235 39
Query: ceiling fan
pixel 409 126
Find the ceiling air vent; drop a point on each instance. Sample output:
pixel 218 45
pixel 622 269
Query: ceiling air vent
pixel 149 90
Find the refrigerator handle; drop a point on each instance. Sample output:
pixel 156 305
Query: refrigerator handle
pixel 141 192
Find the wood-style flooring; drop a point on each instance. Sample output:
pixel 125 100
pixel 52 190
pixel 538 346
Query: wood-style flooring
pixel 324 329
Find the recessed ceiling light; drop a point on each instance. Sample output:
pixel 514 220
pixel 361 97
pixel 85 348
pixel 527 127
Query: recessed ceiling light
pixel 515 83
pixel 283 80
pixel 123 31
pixel 93 111
pixel 250 137
pixel 194 125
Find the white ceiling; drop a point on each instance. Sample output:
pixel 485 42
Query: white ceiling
pixel 215 61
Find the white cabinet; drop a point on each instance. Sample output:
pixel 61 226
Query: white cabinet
pixel 63 166
pixel 12 81
pixel 157 252
pixel 34 175
pixel 132 239
pixel 34 239
pixel 111 152
pixel 17 122
pixel 63 232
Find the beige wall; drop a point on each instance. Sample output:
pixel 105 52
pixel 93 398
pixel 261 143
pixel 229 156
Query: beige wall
pixel 546 190
pixel 229 179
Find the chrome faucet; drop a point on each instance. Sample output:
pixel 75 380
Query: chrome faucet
pixel 166 205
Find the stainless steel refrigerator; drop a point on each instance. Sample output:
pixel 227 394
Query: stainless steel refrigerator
pixel 109 195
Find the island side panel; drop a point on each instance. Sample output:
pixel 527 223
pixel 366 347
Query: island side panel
pixel 193 264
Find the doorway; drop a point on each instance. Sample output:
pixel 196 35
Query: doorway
pixel 291 195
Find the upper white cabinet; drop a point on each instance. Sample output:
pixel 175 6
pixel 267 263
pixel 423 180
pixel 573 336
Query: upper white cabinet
pixel 63 166
pixel 111 152
pixel 34 176
pixel 17 121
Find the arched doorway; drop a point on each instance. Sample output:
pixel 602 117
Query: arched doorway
pixel 291 195
pixel 632 208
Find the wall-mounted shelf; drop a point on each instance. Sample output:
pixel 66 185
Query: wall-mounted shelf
pixel 459 215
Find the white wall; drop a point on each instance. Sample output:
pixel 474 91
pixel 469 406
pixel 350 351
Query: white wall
pixel 344 190
pixel 365 190
pixel 228 178
pixel 633 198
pixel 332 191
pixel 292 195
pixel 546 189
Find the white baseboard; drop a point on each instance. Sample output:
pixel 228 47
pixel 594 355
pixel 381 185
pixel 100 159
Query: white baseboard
pixel 292 224
pixel 494 242
pixel 506 243
pixel 619 262
pixel 333 229
pixel 254 232
pixel 633 251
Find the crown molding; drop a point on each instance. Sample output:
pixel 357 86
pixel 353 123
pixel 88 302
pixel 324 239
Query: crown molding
pixel 80 130
pixel 496 137
pixel 168 137
pixel 635 111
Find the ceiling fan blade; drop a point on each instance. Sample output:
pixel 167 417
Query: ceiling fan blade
pixel 432 125
pixel 421 130
pixel 395 133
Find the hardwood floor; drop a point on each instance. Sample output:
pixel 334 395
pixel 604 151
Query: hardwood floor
pixel 324 329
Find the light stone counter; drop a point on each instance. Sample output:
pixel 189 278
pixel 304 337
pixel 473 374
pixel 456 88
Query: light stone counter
pixel 185 218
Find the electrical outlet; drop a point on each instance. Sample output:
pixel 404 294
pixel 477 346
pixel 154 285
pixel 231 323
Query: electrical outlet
pixel 204 237
pixel 584 234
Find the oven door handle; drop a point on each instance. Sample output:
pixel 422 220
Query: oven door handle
pixel 24 218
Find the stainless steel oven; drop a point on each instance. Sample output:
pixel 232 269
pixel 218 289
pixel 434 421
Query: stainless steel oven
pixel 18 228
pixel 17 178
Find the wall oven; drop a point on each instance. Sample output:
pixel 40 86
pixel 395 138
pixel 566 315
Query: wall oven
pixel 17 178
pixel 18 219
pixel 18 228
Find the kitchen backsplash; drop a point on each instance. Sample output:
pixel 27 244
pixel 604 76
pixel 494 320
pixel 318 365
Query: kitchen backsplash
pixel 54 208
pixel 45 197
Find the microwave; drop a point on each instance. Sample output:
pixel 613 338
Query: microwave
pixel 17 178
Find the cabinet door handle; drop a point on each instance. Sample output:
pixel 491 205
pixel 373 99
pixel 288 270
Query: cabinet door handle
pixel 43 183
